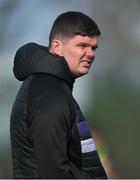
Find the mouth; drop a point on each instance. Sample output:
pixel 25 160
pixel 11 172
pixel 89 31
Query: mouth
pixel 86 63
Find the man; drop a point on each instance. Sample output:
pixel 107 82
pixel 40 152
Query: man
pixel 50 136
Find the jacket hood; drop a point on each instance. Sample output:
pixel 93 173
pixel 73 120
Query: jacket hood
pixel 33 58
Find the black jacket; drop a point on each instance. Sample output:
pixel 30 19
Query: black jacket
pixel 50 137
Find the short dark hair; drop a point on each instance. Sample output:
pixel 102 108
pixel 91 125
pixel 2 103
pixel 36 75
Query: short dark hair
pixel 73 23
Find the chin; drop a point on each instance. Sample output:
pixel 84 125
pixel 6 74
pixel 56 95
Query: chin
pixel 84 72
pixel 81 74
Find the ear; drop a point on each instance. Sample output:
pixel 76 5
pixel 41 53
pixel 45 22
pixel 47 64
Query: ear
pixel 56 47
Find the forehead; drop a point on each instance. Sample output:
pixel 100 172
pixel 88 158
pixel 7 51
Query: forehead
pixel 84 39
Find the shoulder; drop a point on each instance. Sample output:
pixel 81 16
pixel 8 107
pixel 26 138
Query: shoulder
pixel 48 99
pixel 47 90
pixel 45 84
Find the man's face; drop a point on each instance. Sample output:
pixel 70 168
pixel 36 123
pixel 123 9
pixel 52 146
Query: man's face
pixel 79 53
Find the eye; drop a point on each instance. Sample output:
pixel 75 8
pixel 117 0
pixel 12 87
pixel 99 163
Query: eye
pixel 82 45
pixel 94 48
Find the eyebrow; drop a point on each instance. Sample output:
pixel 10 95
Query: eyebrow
pixel 86 44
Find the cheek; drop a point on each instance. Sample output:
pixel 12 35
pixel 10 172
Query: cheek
pixel 69 54
pixel 75 55
pixel 72 55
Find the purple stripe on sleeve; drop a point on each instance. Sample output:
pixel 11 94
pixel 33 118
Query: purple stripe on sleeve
pixel 83 129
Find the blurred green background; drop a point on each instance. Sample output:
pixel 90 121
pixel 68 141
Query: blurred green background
pixel 109 95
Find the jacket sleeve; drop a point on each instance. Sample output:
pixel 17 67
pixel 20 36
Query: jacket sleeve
pixel 50 131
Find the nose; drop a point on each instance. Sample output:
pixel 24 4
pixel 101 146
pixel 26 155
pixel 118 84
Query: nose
pixel 90 53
